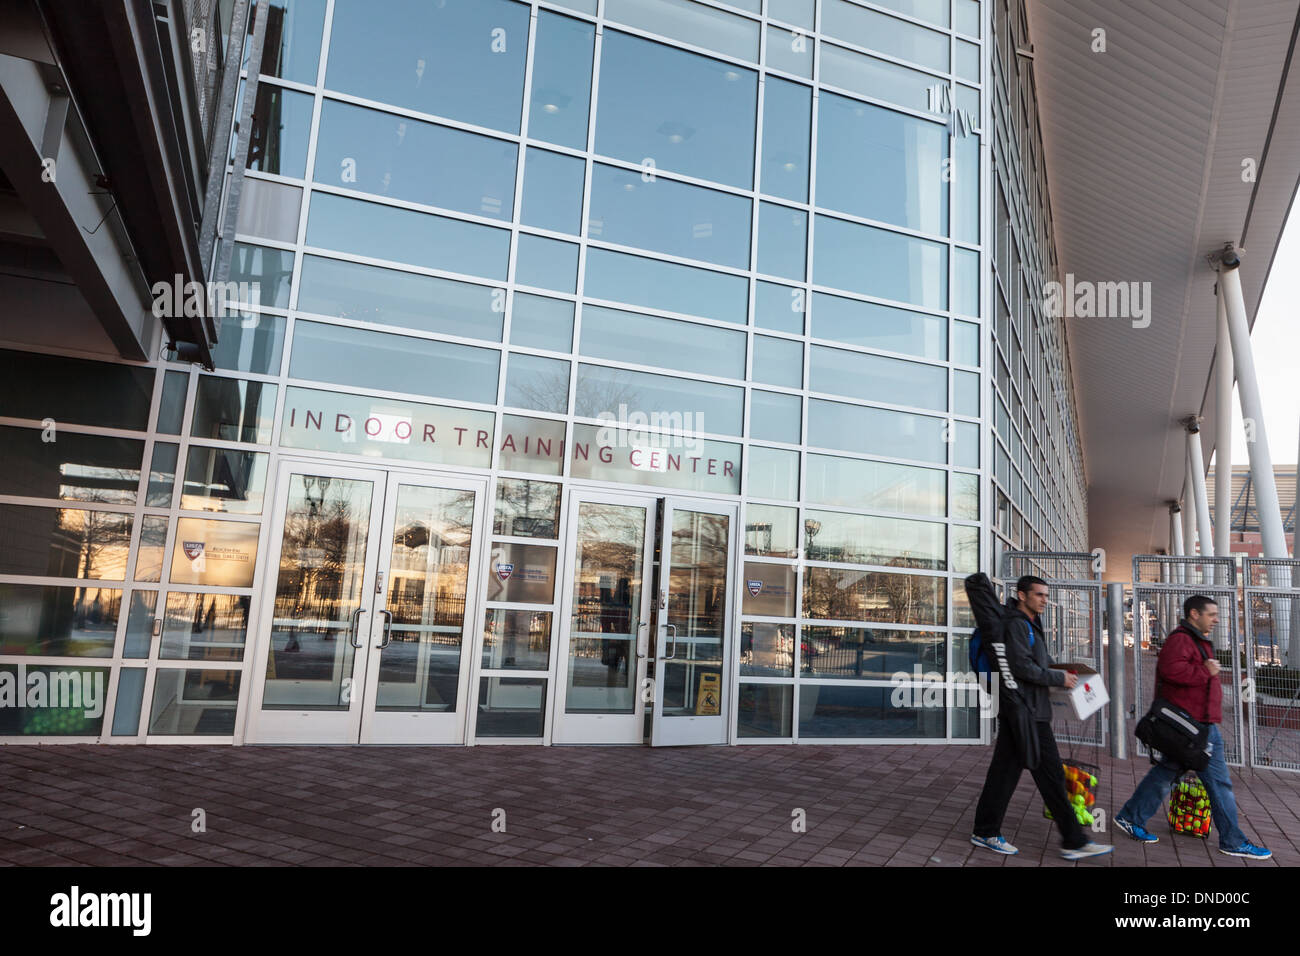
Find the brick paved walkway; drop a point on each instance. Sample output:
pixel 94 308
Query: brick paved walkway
pixel 565 806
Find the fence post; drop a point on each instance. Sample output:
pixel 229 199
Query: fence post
pixel 1115 668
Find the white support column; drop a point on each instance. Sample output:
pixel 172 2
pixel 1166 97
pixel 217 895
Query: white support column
pixel 1223 438
pixel 1261 463
pixel 1196 464
pixel 1189 507
pixel 1252 410
pixel 1176 540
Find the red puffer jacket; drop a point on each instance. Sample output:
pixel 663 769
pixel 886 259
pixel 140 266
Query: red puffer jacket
pixel 1182 678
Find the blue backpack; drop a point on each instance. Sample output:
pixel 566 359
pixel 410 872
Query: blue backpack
pixel 979 661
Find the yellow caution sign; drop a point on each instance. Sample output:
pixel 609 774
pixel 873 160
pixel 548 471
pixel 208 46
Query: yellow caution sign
pixel 708 698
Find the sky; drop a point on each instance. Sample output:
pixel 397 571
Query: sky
pixel 1276 341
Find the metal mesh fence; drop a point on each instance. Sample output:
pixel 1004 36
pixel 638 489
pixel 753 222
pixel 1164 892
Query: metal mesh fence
pixel 1072 621
pixel 1161 583
pixel 1271 608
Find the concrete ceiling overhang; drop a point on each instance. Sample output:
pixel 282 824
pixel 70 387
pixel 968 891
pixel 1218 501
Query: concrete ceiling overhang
pixel 1146 145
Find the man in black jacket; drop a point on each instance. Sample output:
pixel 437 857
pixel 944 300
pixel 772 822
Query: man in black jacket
pixel 1026 647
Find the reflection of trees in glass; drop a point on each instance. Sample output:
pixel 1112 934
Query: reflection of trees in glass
pixel 324 548
pixel 698 582
pixel 546 391
pixel 527 508
pixel 429 570
pixel 873 596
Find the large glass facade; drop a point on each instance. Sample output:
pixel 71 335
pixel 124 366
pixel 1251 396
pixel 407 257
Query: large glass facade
pixel 512 223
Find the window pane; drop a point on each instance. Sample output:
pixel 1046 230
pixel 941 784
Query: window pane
pixel 647 340
pixel 78 714
pixel 521 573
pixel 557 111
pixel 64 542
pixel 517 640
pixel 511 707
pixel 220 479
pixel 270 270
pixel 779 307
pixel 233 410
pixel 194 702
pixel 787 115
pixel 205 627
pixel 58 621
pixel 691 22
pixel 879 79
pixel 130 695
pixel 836 594
pixel 855 322
pixel 871 261
pixel 291 48
pixel 935 11
pixel 162 475
pixel 869 653
pixel 875 378
pixel 798 12
pixel 527 509
pixel 553 191
pixel 966 188
pixel 171 409
pixel 670 217
pixel 773 473
pixel 696 117
pixel 770 531
pixel 876 485
pixel 541 323
pixel 766 649
pixel 537 383
pixel 351 290
pixel 666 285
pixel 269 211
pixel 870 539
pixel 249 343
pixel 782 241
pixel 398 363
pixel 417 54
pixel 840 712
pixel 966 281
pixel 876 431
pixel 214 553
pixel 531 444
pixel 880 164
pixel 778 361
pixel 403 235
pixel 74 467
pixel 968 61
pixel 547 263
pixel 966 393
pixel 277 140
pixel 965 496
pixel 765 710
pixel 775 417
pixel 790 51
pixel 404 158
pixel 885 34
pixel 769 589
pixel 75 391
pixel 968 17
pixel 717 407
pixel 153 540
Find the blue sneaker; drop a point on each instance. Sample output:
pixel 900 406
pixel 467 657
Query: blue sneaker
pixel 1138 833
pixel 994 843
pixel 1249 851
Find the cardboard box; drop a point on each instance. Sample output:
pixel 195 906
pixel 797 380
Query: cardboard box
pixel 1089 694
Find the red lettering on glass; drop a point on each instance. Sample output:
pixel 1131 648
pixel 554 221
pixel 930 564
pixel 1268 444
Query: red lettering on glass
pixel 397 430
pixel 460 435
pixel 631 457
pixel 339 419
pixel 606 454
pixel 580 448
pixel 482 439
pixel 712 463
pixel 547 453
pixel 379 426
pixel 428 432
pixel 726 468
pixel 654 459
pixel 674 462
pixel 508 443
pixel 318 415
pixel 695 464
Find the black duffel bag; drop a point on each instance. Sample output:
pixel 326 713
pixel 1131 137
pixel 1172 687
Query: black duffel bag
pixel 1179 737
pixel 1013 711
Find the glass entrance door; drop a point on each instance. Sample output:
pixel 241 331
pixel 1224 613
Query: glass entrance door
pixel 694 623
pixel 362 630
pixel 605 619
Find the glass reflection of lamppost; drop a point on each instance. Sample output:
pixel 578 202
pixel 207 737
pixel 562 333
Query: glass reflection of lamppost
pixel 811 527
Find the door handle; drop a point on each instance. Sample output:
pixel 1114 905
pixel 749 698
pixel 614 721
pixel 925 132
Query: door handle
pixel 388 628
pixel 352 628
pixel 640 654
pixel 673 628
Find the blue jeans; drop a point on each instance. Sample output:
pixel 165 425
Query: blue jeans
pixel 1155 786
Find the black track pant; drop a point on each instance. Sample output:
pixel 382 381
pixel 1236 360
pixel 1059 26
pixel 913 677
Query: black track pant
pixel 1004 775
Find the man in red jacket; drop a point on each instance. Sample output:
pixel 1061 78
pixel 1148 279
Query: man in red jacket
pixel 1187 674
